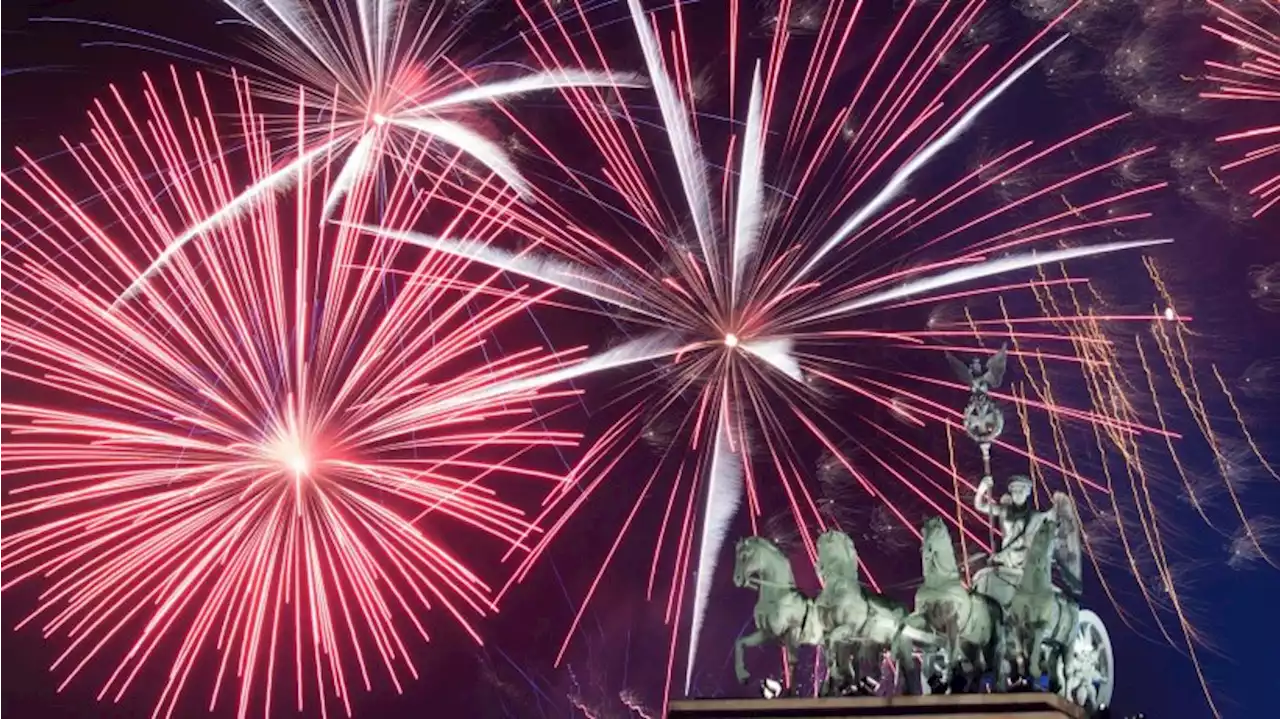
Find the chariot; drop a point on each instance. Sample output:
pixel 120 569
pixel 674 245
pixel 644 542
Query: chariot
pixel 1010 620
pixel 1013 620
pixel 1010 624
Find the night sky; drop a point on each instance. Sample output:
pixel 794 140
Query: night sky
pixel 53 70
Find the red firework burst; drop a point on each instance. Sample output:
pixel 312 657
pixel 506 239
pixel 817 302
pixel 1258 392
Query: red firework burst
pixel 258 469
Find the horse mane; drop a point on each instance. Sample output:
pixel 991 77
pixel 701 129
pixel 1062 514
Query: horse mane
pixel 847 567
pixel 938 539
pixel 782 561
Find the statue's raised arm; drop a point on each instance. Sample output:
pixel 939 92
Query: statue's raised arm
pixel 1015 515
pixel 982 498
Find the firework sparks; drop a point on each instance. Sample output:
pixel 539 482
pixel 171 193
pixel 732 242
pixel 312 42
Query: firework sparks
pixel 1247 543
pixel 265 466
pixel 1251 29
pixel 379 80
pixel 752 312
pixel 1129 527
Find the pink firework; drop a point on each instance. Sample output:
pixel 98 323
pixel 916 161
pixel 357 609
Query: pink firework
pixel 379 80
pixel 256 478
pixel 772 234
pixel 1251 30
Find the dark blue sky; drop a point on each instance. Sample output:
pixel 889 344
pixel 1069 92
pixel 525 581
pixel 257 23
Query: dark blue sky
pixel 50 76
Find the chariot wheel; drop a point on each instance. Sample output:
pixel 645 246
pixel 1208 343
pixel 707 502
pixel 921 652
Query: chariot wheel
pixel 1088 670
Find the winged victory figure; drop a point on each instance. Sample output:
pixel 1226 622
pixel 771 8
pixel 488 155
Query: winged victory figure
pixel 981 377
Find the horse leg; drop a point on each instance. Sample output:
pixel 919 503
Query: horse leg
pixel 906 666
pixel 986 659
pixel 853 667
pixel 830 652
pixel 1014 654
pixel 868 660
pixel 999 653
pixel 977 667
pixel 1026 648
pixel 836 648
pixel 1035 656
pixel 846 663
pixel 739 647
pixel 955 658
pixel 963 669
pixel 838 673
pixel 1054 656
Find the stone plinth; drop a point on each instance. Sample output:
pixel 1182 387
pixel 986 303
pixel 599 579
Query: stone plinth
pixel 965 706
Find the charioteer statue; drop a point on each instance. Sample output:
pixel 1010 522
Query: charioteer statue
pixel 1018 521
pixel 1019 619
pixel 982 377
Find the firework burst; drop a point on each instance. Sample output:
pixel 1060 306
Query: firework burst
pixel 264 464
pixel 762 284
pixel 379 80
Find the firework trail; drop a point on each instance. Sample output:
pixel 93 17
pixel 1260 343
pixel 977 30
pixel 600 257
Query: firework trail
pixel 379 81
pixel 269 462
pixel 1153 375
pixel 765 279
pixel 1250 29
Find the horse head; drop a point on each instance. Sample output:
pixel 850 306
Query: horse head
pixel 837 556
pixel 757 559
pixel 938 556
